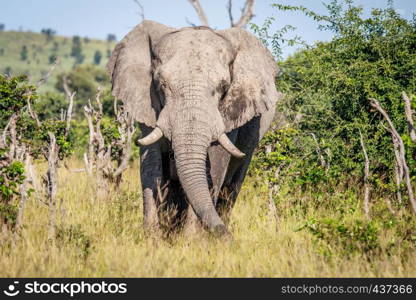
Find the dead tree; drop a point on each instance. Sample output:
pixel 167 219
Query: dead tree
pixel 70 96
pixel 366 177
pixel 400 152
pixel 23 189
pixel 246 13
pixel 141 9
pixel 99 156
pixel 18 152
pixel 398 166
pixel 51 155
pixel 318 151
pixel 51 180
pixel 409 116
pixel 200 12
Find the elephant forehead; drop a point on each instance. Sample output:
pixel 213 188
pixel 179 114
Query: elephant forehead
pixel 193 44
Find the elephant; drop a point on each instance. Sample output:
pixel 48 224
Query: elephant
pixel 203 99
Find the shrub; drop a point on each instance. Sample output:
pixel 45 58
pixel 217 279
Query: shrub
pixel 75 236
pixel 327 86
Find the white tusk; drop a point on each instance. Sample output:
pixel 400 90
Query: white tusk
pixel 229 146
pixel 151 138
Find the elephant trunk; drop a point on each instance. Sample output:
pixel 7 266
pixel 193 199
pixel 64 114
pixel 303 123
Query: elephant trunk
pixel 191 137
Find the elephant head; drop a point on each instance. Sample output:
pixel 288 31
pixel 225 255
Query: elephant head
pixel 192 86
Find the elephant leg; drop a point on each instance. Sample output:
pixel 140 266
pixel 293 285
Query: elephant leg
pixel 151 174
pixel 247 140
pixel 231 188
pixel 219 160
pixel 192 224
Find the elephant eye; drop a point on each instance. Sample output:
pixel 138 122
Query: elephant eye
pixel 160 85
pixel 223 87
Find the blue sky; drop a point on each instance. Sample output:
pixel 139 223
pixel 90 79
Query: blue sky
pixel 97 18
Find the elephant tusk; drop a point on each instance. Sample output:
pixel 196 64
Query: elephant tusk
pixel 151 138
pixel 229 146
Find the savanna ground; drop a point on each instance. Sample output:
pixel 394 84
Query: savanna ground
pixel 105 238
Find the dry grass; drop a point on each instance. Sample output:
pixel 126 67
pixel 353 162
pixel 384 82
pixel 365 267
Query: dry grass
pixel 107 240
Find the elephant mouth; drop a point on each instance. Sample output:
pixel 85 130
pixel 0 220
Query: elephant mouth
pixel 223 140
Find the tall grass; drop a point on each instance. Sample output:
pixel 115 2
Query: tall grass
pixel 105 238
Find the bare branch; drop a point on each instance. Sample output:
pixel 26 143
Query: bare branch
pixel 87 163
pixel 69 114
pixel 115 106
pixel 98 116
pixel 402 153
pixel 200 11
pixel 12 120
pixel 190 23
pixel 62 115
pixel 46 77
pixel 70 96
pixel 141 9
pixel 99 155
pixel 31 174
pixel 88 112
pixel 366 176
pixel 13 137
pixel 75 170
pixel 409 117
pixel 23 192
pixel 318 150
pixel 230 12
pixel 246 14
pixel 52 182
pixel 398 166
pixel 398 174
pixel 32 113
pixel 129 131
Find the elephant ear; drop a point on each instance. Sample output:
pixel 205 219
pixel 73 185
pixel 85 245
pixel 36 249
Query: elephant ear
pixel 252 91
pixel 130 68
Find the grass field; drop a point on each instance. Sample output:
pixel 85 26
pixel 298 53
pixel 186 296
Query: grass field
pixel 105 238
pixel 40 49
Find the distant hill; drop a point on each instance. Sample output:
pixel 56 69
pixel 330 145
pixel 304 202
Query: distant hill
pixel 32 54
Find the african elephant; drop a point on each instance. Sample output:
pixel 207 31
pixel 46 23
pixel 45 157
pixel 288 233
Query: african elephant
pixel 203 99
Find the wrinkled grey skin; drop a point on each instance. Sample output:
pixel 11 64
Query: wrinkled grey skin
pixel 194 84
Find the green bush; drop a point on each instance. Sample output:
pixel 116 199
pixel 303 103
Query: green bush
pixel 349 238
pixel 12 175
pixel 15 93
pixel 8 214
pixel 327 86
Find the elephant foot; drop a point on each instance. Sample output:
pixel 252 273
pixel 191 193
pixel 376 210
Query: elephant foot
pixel 150 215
pixel 193 228
pixel 151 227
pixel 154 233
pixel 221 232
